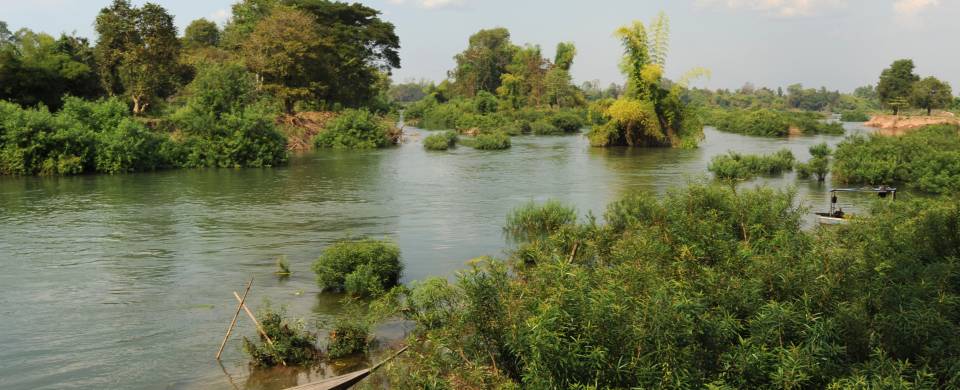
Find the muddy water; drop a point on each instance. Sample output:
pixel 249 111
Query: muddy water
pixel 125 281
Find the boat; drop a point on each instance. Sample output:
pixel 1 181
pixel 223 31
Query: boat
pixel 836 215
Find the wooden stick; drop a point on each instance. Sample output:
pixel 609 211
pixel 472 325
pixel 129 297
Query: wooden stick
pixel 234 322
pixel 573 253
pixel 257 323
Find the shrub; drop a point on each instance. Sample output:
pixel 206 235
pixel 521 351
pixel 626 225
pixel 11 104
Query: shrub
pixel 766 122
pixel 292 343
pixel 544 127
pixel 531 220
pixel 736 166
pixel 854 116
pixel 354 129
pixel 440 141
pixel 489 141
pixel 927 158
pixel 366 263
pixel 349 336
pixel 567 121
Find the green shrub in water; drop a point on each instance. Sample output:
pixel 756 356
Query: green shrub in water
pixel 735 166
pixel 544 127
pixel 354 129
pixel 489 141
pixel 349 336
pixel 292 343
pixel 371 266
pixel 531 220
pixel 567 121
pixel 440 141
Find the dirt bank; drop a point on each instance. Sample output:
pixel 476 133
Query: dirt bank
pixel 899 124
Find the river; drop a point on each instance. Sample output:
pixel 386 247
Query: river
pixel 124 281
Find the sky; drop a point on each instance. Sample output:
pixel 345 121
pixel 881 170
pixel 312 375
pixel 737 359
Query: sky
pixel 840 44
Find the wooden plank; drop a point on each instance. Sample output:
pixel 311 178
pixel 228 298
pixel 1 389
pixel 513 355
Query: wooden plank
pixel 234 321
pixel 341 382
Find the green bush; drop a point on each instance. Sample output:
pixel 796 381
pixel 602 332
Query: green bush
pixel 440 141
pixel 531 220
pixel 766 122
pixel 349 336
pixel 704 287
pixel 735 166
pixel 371 266
pixel 927 158
pixel 854 116
pixel 292 343
pixel 489 141
pixel 567 121
pixel 354 129
pixel 544 127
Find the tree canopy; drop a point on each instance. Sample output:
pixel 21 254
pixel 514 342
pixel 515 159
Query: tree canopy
pixel 896 84
pixel 931 93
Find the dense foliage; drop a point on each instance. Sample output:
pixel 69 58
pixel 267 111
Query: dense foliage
pixel 497 140
pixel 819 164
pixel 531 220
pixel 854 116
pixel 354 129
pixel 364 267
pixel 765 122
pixel 702 288
pixel 734 166
pixel 36 68
pixel 651 112
pixel 927 158
pixel 290 342
pixel 440 141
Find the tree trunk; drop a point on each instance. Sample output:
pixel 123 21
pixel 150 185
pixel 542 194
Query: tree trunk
pixel 929 110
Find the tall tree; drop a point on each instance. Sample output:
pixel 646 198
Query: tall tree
pixel 201 33
pixel 36 68
pixel 284 52
pixel 896 84
pixel 244 18
pixel 5 34
pixel 137 51
pixel 481 65
pixel 931 93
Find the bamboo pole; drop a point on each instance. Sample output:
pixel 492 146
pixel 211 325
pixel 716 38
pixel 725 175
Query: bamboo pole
pixel 257 323
pixel 234 321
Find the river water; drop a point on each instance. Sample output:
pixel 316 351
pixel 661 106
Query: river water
pixel 125 281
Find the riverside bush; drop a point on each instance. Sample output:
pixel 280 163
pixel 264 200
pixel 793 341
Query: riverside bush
pixel 766 122
pixel 736 166
pixel 440 141
pixel 292 343
pixel 531 220
pixel 704 287
pixel 543 127
pixel 819 164
pixel 364 267
pixel 927 158
pixel 854 116
pixel 489 141
pixel 348 337
pixel 354 129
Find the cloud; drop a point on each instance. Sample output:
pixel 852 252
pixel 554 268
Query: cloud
pixel 913 7
pixel 220 16
pixel 781 8
pixel 431 4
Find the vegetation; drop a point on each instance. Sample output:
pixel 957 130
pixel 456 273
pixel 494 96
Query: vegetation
pixel 896 85
pixel 765 122
pixel 349 336
pixel 649 113
pixel 819 164
pixel 854 116
pixel 927 158
pixel 734 166
pixel 702 288
pixel 291 344
pixel 931 93
pixel 440 141
pixel 364 267
pixel 354 129
pixel 283 267
pixel 531 220
pixel 489 141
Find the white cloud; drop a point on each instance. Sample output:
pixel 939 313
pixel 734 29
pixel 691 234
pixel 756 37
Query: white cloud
pixel 782 8
pixel 431 4
pixel 913 7
pixel 220 16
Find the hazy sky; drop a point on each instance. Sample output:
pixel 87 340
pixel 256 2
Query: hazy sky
pixel 840 44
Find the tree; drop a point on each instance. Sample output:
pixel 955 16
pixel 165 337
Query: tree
pixel 201 33
pixel 5 35
pixel 244 18
pixel 931 93
pixel 896 84
pixel 284 51
pixel 137 52
pixel 36 68
pixel 481 65
pixel 564 57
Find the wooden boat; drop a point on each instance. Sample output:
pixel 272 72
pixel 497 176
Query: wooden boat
pixel 836 215
pixel 345 381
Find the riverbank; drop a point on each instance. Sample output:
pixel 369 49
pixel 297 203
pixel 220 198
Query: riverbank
pixel 895 125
